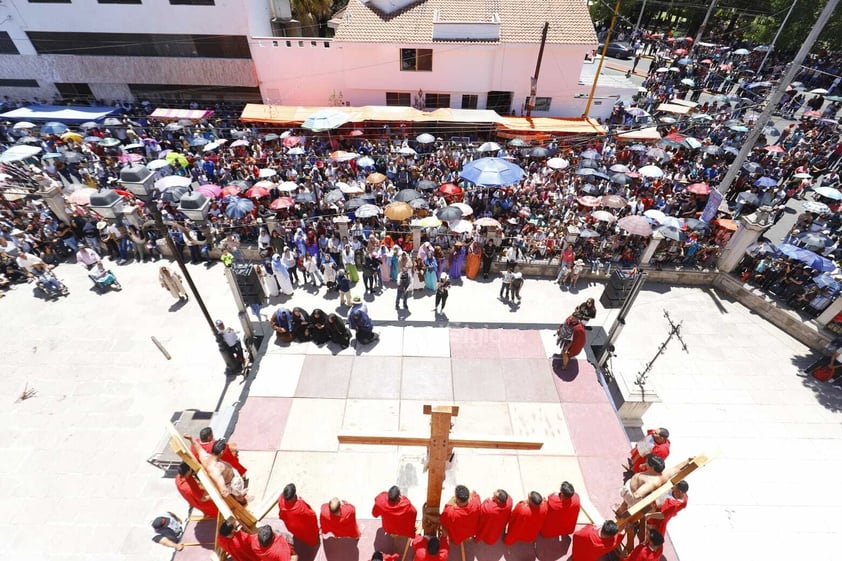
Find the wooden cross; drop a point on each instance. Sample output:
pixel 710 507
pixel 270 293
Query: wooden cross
pixel 439 449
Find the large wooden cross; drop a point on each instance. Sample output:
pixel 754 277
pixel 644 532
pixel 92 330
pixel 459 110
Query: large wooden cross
pixel 439 449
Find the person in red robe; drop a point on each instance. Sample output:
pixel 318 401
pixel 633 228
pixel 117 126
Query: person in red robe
pixel 527 519
pixel 338 519
pixel 673 502
pixel 460 517
pixel 380 556
pixel 397 512
pixel 591 543
pixel 649 550
pixel 430 549
pixel 298 516
pixel 195 496
pixel 562 512
pixel 572 338
pixel 236 543
pixel 229 455
pixel 266 546
pixel 656 443
pixel 494 515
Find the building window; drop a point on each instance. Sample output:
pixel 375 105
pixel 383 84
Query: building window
pixel 416 59
pixel 397 99
pixel 470 101
pixel 183 92
pixel 7 46
pixel 541 103
pixel 12 83
pixel 73 91
pixel 436 101
pixel 120 1
pixel 140 44
pixel 192 2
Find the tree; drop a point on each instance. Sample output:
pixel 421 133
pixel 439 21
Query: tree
pixel 312 16
pixel 798 27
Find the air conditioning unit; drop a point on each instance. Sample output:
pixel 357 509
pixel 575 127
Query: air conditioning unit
pixel 281 10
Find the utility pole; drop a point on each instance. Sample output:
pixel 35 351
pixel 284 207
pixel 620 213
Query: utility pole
pixel 702 27
pixel 778 34
pixel 601 59
pixel 640 17
pixel 533 83
pixel 776 95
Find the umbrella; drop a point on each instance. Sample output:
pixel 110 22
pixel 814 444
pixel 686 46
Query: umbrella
pixel 133 146
pixel 636 111
pixel 614 201
pixel 656 153
pixel 683 61
pixel 466 209
pixel 365 162
pixel 92 139
pixel 51 156
pixel 619 168
pixel 726 223
pixel 460 226
pixel 398 211
pixel 635 225
pixel 429 222
pixel 655 215
pixel 766 182
pixel 425 138
pixel 487 222
pixel 592 189
pixel 239 142
pixel 376 178
pixel 814 114
pixel 406 195
pixel 71 137
pixel 819 91
pixel 748 198
pixel 109 142
pixel 238 207
pixel 637 148
pixel 349 189
pixel 808 257
pixel 557 163
pixel 297 151
pixel 286 186
pixel 281 203
pixel 291 141
pixel 620 178
pixel 81 196
pixel 829 193
pixel 776 149
pixel 539 152
pixel 305 198
pixel 172 127
pixel 489 147
pixel 668 120
pixel 24 125
pixel 587 200
pixel 671 232
pixel 824 280
pixel 518 143
pixel 699 188
pixel 266 173
pixel 816 207
pixel 449 213
pixel 662 70
pixel 334 196
pixel 701 117
pixel 813 240
pixel 741 52
pixel 172 181
pixel 209 190
pixel 651 171
pixel 426 185
pixel 695 224
pixel 240 185
pixel 343 156
pixel 591 155
pixel 450 189
pixel 688 82
pixel 74 157
pixel 585 171
pixel 752 167
pixel 600 175
pixel 738 128
pixel 712 150
pixel 88 125
pixel 325 120
pixel 174 195
pixel 671 221
pixel 419 204
pixel 174 157
pixel 128 158
pixel 257 192
pixel 588 163
pixel 198 141
pixel 603 216
pixel 367 211
pixel 270 137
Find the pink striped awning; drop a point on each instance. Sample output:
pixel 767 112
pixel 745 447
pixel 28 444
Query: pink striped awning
pixel 174 114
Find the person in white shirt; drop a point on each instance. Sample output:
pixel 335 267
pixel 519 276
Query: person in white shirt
pixel 232 340
pixel 27 261
pixel 87 257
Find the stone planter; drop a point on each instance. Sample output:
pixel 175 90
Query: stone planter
pixel 631 402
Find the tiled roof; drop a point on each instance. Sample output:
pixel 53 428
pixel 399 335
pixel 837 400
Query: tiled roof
pixel 521 21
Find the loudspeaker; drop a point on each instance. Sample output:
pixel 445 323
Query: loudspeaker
pixel 617 288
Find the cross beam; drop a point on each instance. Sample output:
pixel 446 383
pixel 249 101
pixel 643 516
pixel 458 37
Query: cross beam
pixel 439 448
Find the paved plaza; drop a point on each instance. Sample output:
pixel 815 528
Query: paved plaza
pixel 79 486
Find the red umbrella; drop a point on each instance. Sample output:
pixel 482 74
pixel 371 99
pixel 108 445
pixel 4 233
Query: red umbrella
pixel 699 188
pixel 281 203
pixel 587 200
pixel 450 189
pixel 812 114
pixel 356 132
pixel 775 148
pixel 257 192
pixel 231 190
pixel 633 174
pixel 123 193
pixel 680 51
pixel 707 61
pixel 291 141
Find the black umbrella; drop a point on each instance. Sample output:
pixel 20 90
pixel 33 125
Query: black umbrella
pixel 406 195
pixel 591 189
pixel 426 185
pixel 334 196
pixel 696 224
pixel 419 203
pixel 174 194
pixel 600 175
pixel 449 213
pixel 752 167
pixel 305 198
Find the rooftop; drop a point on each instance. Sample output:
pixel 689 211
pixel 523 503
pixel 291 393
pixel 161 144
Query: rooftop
pixel 520 22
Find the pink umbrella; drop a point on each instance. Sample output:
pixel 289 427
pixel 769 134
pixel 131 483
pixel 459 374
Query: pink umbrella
pixel 209 190
pixel 281 203
pixel 699 188
pixel 257 192
pixel 126 158
pixel 635 225
pixel 776 149
pixel 231 191
pixel 587 200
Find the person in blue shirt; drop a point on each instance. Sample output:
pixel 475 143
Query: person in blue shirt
pixel 282 324
pixel 360 321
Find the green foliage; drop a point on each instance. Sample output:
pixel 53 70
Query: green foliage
pixel 798 27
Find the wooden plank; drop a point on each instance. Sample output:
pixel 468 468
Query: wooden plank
pixel 460 441
pixel 504 443
pixel 452 409
pixel 438 453
pixel 589 510
pixel 260 510
pixel 385 439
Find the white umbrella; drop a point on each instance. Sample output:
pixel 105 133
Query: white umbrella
pixel 741 52
pixel 655 215
pixel 155 165
pixel 662 70
pixel 651 171
pixel 557 163
pixel 297 151
pixel 288 186
pixel 367 211
pixel 819 91
pixel 619 168
pixel 266 173
pixel 488 147
pixel 343 156
pixel 325 120
pixel 239 142
pixel 425 138
pixel 671 221
pixel 265 184
pixel 460 226
pixel 349 189
pixel 172 181
pixel 603 216
pixel 466 209
pixel 407 151
pixel 19 152
pixel 24 125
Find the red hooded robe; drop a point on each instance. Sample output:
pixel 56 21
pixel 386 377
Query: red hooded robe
pixel 526 522
pixel 461 522
pixel 278 550
pixel 342 525
pixel 493 519
pixel 398 518
pixel 195 495
pixel 300 519
pixel 238 546
pixel 588 545
pixel 562 514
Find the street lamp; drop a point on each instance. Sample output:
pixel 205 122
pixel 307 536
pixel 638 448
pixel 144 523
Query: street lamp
pixel 107 203
pixel 194 206
pixel 140 182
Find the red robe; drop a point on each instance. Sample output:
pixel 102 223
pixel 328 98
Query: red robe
pixel 644 553
pixel 562 514
pixel 639 462
pixel 588 545
pixel 419 545
pixel 669 509
pixel 343 525
pixel 195 495
pixel 492 520
pixel 461 522
pixel 300 520
pixel 580 337
pixel 398 518
pixel 278 550
pixel 238 546
pixel 526 522
pixel 227 456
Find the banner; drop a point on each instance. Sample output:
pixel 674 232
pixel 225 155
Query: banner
pixel 714 200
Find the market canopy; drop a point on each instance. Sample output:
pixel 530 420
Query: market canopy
pixel 176 114
pixel 673 108
pixel 649 133
pixel 551 125
pixel 60 113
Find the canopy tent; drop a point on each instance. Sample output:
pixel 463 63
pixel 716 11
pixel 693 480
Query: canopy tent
pixel 176 114
pixel 649 133
pixel 673 108
pixel 60 113
pixel 684 102
pixel 550 125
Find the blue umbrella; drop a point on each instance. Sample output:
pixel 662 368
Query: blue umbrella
pixel 827 192
pixel 198 141
pixel 824 280
pixel 238 207
pixel 807 257
pixel 491 171
pixel 54 127
pixel 766 182
pixel 365 162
